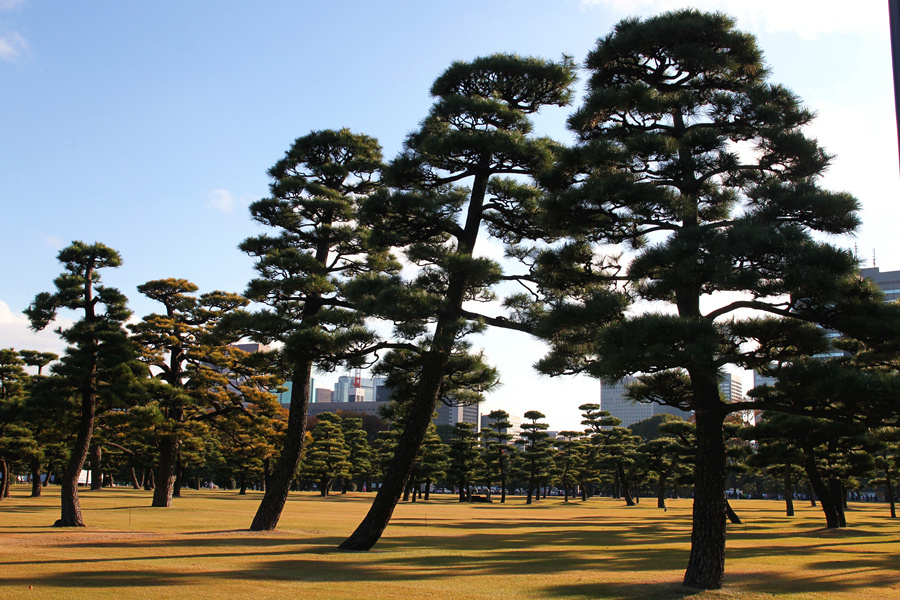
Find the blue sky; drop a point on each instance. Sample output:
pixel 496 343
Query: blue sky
pixel 150 126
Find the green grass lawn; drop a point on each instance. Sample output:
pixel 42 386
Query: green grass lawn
pixel 201 548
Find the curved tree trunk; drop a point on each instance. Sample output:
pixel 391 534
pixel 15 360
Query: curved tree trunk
pixel 626 489
pixel 135 482
pixel 832 518
pixel 732 516
pixel 279 482
pixel 4 479
pixel 70 509
pixel 398 472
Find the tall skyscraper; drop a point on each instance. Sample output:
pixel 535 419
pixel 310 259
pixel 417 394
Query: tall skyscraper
pixel 613 399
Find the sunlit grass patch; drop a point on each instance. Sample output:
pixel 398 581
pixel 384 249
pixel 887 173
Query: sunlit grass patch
pixel 201 548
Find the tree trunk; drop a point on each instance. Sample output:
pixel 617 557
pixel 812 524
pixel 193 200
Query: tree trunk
pixel 661 492
pixel 96 459
pixel 832 519
pixel 35 477
pixel 4 479
pixel 788 490
pixel 838 497
pixel 135 482
pixel 732 516
pixel 179 477
pixel 434 364
pixel 706 565
pixel 165 472
pixel 70 509
pixel 889 484
pixel 279 482
pixel 812 493
pixel 626 491
pixel 398 472
pixel 243 487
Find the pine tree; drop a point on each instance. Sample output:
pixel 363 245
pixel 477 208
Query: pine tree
pixel 328 457
pixel 194 373
pixel 536 455
pixel 497 448
pixel 360 456
pixel 302 270
pixel 465 464
pixel 478 129
pixel 692 161
pixel 99 366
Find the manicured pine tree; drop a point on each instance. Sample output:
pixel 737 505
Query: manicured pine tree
pixel 690 160
pixel 328 457
pixel 536 455
pixel 448 191
pixel 569 460
pixel 16 440
pixel 664 453
pixel 465 464
pixel 99 366
pixel 360 456
pixel 886 453
pixel 192 369
pixel 497 449
pixel 318 246
pixel 776 456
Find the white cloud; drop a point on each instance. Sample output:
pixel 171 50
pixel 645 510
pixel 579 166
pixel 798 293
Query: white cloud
pixel 11 4
pixel 16 333
pixel 12 46
pixel 807 18
pixel 222 201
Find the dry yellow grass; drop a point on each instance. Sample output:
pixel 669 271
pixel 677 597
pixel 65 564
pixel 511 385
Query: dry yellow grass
pixel 201 548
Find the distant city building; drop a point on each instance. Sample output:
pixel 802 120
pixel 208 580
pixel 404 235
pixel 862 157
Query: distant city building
pixel 451 415
pixel 323 395
pixel 731 387
pixel 887 281
pixel 346 390
pixel 613 399
pixel 516 425
pixel 362 408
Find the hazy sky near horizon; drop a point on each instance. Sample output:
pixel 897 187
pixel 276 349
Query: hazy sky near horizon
pixel 150 126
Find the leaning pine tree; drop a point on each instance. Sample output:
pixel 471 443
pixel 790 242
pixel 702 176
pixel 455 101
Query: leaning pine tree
pixel 696 165
pixel 478 129
pixel 318 246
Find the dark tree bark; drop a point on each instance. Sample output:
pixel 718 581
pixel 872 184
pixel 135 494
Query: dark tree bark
pixel 135 482
pixel 832 517
pixel 96 461
pixel 889 492
pixel 838 498
pixel 279 482
pixel 36 477
pixel 70 506
pixel 788 490
pixel 398 473
pixel 732 516
pixel 626 488
pixel 706 565
pixel 165 472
